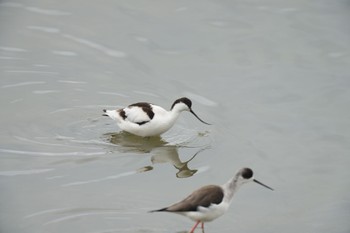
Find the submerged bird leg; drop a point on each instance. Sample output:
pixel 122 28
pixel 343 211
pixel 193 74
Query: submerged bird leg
pixel 195 226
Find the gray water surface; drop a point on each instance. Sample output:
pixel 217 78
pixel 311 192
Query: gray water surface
pixel 273 78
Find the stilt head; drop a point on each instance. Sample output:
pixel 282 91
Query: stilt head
pixel 245 175
pixel 185 104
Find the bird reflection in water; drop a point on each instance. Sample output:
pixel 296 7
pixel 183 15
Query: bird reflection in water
pixel 169 154
pixel 161 151
pixel 127 142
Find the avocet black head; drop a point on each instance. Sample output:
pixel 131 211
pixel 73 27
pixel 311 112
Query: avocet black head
pixel 185 104
pixel 247 175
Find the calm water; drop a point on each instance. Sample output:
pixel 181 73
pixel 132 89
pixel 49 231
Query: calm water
pixel 272 76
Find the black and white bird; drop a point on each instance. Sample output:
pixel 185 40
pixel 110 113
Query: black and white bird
pixel 210 202
pixel 146 119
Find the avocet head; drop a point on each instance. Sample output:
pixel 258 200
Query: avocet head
pixel 245 175
pixel 185 104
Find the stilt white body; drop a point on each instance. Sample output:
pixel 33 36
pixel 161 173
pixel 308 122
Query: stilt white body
pixel 207 214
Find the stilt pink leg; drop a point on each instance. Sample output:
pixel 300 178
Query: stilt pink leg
pixel 202 226
pixel 195 226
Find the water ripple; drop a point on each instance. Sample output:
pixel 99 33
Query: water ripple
pixel 134 229
pixel 25 172
pixel 145 93
pixel 78 215
pixel 46 212
pixel 47 12
pixel 101 179
pixel 32 71
pixel 10 58
pixel 64 53
pixel 44 29
pixel 23 84
pixel 43 92
pixel 60 110
pixel 106 50
pixel 12 49
pixel 112 93
pixel 11 4
pixel 51 144
pixel 37 153
pixel 71 82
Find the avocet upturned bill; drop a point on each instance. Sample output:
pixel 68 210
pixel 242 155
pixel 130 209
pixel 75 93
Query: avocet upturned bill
pixel 146 119
pixel 210 202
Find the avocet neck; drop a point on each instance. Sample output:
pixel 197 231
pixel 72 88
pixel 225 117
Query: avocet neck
pixel 171 116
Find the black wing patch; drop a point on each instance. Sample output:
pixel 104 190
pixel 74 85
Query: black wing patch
pixel 142 122
pixel 147 108
pixel 205 196
pixel 122 113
